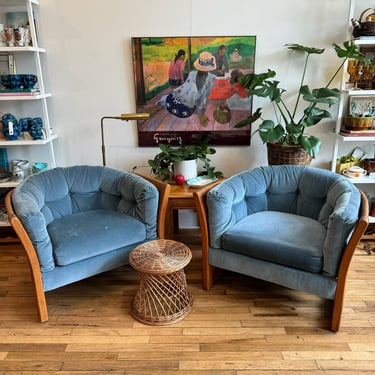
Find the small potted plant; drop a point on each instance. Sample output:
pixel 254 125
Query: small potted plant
pixel 289 124
pixel 163 164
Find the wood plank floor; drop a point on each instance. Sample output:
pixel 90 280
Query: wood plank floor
pixel 241 327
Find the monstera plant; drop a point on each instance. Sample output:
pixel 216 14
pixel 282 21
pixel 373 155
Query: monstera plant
pixel 289 124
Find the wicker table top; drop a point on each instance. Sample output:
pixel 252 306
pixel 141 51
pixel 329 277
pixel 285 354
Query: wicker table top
pixel 160 257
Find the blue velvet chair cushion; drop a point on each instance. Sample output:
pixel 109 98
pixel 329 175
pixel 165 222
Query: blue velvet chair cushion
pixel 75 237
pixel 278 237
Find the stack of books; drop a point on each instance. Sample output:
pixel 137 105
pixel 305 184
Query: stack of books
pixel 19 92
pixel 357 133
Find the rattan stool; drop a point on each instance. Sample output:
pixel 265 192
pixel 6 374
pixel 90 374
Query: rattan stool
pixel 162 297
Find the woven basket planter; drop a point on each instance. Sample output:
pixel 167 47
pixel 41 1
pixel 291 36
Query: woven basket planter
pixel 292 155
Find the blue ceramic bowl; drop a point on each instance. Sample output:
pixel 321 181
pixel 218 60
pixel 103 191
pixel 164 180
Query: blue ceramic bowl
pixel 18 81
pixel 29 80
pixel 39 167
pixel 11 81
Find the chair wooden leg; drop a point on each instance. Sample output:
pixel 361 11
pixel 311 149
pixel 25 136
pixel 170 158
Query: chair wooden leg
pixel 338 304
pixel 39 292
pixel 207 272
pixel 336 315
pixel 42 304
pixel 37 280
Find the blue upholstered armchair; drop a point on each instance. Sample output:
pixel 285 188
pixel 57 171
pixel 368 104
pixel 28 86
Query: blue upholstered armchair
pixel 79 221
pixel 294 226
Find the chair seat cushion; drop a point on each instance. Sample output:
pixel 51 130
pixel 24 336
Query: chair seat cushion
pixel 283 238
pixel 76 237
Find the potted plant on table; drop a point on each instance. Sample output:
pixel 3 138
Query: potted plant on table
pixel 289 125
pixel 163 165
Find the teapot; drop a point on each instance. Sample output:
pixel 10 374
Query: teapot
pixel 354 172
pixel 364 28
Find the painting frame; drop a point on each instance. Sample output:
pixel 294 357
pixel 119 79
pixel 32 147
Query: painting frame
pixel 225 103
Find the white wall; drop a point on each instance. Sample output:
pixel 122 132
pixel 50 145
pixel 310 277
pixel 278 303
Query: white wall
pixel 90 65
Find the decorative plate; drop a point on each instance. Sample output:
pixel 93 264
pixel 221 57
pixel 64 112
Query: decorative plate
pixel 200 181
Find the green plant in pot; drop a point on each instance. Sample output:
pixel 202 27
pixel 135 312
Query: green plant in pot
pixel 162 165
pixel 309 107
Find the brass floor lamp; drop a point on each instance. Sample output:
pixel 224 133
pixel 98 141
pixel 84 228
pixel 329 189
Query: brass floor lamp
pixel 122 117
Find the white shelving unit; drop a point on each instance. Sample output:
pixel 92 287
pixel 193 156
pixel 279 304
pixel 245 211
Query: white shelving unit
pixel 27 60
pixel 30 59
pixel 342 142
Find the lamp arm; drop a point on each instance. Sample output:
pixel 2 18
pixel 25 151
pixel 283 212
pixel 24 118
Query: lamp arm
pixel 122 117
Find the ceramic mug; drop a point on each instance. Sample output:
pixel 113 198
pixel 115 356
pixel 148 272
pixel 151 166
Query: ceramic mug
pixel 8 35
pixel 18 173
pixel 20 36
pixel 23 164
pixel 354 172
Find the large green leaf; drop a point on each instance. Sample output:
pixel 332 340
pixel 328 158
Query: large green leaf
pixel 322 95
pixel 350 51
pixel 249 120
pixel 294 131
pixel 311 144
pixel 252 80
pixel 271 91
pixel 301 48
pixel 314 115
pixel 269 132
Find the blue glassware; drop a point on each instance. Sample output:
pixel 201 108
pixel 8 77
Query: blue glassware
pixel 24 123
pixel 36 128
pixel 11 128
pixel 29 80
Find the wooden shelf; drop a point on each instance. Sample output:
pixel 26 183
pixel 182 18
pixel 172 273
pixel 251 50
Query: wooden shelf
pixel 17 2
pixel 357 138
pixel 352 92
pixel 22 49
pixel 365 41
pixel 9 184
pixel 24 97
pixel 362 180
pixel 23 142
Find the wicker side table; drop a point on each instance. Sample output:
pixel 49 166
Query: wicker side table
pixel 162 297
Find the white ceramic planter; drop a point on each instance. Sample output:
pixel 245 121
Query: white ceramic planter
pixel 187 168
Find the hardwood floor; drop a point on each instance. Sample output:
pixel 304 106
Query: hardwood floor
pixel 240 327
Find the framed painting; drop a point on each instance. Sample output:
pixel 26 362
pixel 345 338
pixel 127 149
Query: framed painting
pixel 189 86
pixel 17 19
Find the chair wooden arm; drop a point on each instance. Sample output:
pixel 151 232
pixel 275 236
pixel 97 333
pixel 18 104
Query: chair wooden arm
pixel 31 257
pixel 164 190
pixel 199 197
pixel 346 259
